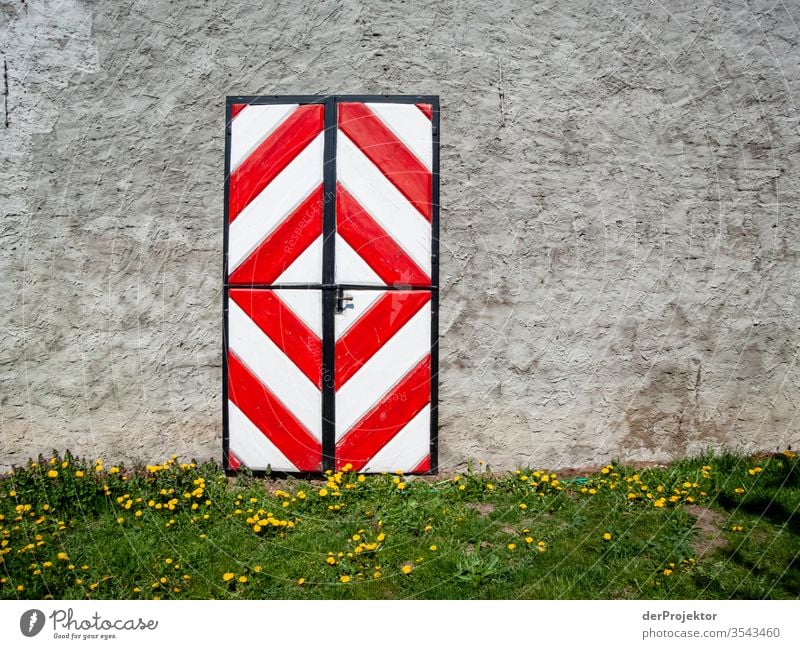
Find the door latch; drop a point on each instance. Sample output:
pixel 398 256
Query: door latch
pixel 341 298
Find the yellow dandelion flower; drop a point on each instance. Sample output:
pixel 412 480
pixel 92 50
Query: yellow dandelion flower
pixel 228 576
pixel 381 537
pixel 667 572
pixel 331 561
pixel 406 569
pixel 529 539
pixel 242 579
pixel 344 579
pixel 523 506
pixel 356 537
pixel 512 546
pixel 52 473
pixel 433 548
pixel 607 536
pixel 323 492
pixel 489 486
pixel 739 490
pixel 361 478
pixel 79 474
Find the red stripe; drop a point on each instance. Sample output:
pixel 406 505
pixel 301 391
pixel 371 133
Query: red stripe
pixel 273 154
pixel 271 417
pixel 388 153
pixel 388 315
pixel 386 419
pixel 379 250
pixel 422 467
pixel 236 109
pixel 233 461
pixel 284 328
pixel 285 244
pixel 427 109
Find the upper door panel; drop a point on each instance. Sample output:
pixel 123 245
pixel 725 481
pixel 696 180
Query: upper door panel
pixel 275 200
pixel 384 182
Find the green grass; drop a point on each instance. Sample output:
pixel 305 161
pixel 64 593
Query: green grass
pixel 69 529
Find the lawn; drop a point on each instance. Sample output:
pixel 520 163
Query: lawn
pixel 718 526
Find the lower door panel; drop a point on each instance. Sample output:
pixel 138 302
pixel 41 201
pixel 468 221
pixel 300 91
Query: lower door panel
pixel 383 381
pixel 274 378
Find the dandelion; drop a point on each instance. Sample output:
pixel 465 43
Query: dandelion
pixel 52 473
pixel 739 490
pixel 528 540
pixel 120 520
pixel 257 568
pixel 331 561
pixel 376 575
pixel 301 581
pixel 433 548
pixel 356 537
pixel 228 576
pixel 406 569
pixel 489 486
pixel 607 536
pixel 667 572
pixel 523 506
pixel 512 546
pixel 323 492
pixel 242 579
pixel 402 485
pixel 79 474
pixel 344 579
pixel 428 528
pixel 381 537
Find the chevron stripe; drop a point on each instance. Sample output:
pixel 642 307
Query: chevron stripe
pixel 408 450
pixel 269 158
pixel 284 245
pixel 269 416
pixel 396 411
pixel 285 329
pixel 251 446
pixel 384 203
pixel 274 369
pixel 371 242
pixel 411 127
pixel 251 125
pixel 389 153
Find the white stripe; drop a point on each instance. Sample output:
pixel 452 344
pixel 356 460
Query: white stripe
pixel 306 305
pixel 307 268
pixel 251 446
pixel 252 126
pixel 407 448
pixel 410 126
pixel 351 268
pixel 274 369
pixel 276 202
pixel 383 371
pixel 362 300
pixel 384 202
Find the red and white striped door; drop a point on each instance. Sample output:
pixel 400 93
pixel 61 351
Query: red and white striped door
pixel 330 343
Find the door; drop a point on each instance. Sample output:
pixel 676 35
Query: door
pixel 330 285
